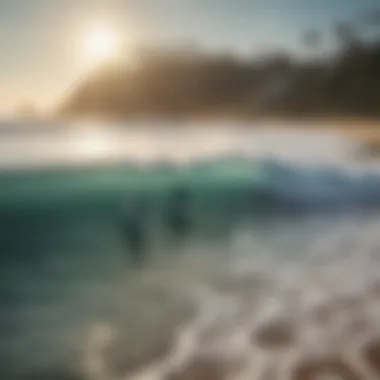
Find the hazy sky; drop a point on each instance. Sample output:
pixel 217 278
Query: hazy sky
pixel 40 57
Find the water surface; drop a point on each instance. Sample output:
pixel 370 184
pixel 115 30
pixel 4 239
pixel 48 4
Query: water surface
pixel 278 277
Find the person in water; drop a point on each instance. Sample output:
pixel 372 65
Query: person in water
pixel 134 231
pixel 177 216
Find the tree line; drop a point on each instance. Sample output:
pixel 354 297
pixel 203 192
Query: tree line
pixel 187 82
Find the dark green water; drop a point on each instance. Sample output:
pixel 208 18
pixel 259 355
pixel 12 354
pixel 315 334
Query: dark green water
pixel 67 273
pixel 62 227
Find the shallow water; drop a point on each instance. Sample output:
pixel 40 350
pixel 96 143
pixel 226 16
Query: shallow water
pixel 278 279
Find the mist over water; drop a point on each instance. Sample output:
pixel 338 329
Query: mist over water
pixel 278 277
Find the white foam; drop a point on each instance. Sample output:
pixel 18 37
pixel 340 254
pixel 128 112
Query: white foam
pixel 227 320
pixel 73 144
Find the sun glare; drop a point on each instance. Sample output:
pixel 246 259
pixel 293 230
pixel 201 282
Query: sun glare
pixel 101 44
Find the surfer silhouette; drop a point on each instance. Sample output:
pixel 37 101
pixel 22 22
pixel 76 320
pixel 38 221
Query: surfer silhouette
pixel 177 216
pixel 134 230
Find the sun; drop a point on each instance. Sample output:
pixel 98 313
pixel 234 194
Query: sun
pixel 101 44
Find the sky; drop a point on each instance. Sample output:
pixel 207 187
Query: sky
pixel 41 57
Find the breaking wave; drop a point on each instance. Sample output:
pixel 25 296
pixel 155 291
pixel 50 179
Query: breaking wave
pixel 279 278
pixel 252 184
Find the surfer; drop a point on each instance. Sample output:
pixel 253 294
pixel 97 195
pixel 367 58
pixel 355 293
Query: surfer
pixel 177 217
pixel 134 230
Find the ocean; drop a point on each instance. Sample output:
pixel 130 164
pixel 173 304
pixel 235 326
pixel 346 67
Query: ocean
pixel 277 276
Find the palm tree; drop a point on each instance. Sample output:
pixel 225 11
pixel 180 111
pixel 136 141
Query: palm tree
pixel 312 40
pixel 370 22
pixel 372 18
pixel 346 35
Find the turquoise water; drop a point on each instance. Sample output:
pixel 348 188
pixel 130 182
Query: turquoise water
pixel 62 232
pixel 270 240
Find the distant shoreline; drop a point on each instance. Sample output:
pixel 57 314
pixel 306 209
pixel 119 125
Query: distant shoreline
pixel 350 124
